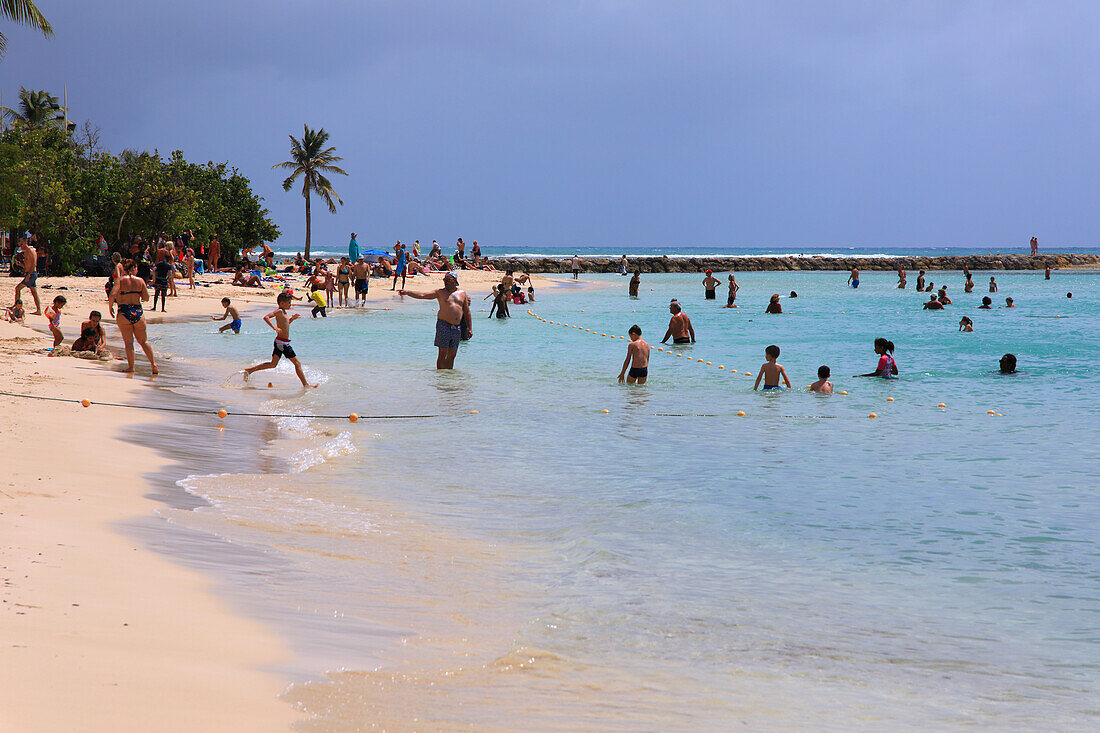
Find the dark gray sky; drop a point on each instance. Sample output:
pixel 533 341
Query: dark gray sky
pixel 566 122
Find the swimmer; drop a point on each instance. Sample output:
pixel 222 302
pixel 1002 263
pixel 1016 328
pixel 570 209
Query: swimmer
pixel 710 282
pixel 901 279
pixel 679 326
pixel 1069 295
pixel 282 346
pixel 793 294
pixel 771 371
pixel 887 367
pixel 53 316
pixel 230 311
pixel 637 358
pixel 931 286
pixel 530 293
pixel 734 287
pixel 853 278
pixel 635 282
pixel 992 284
pixel 987 303
pixel 933 304
pixel 1009 303
pixel 1008 364
pixel 773 304
pixel 965 324
pixel 822 385
pixel 920 281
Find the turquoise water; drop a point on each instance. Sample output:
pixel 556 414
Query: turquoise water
pixel 668 564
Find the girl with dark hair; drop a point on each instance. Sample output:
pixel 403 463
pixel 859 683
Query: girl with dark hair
pixel 887 368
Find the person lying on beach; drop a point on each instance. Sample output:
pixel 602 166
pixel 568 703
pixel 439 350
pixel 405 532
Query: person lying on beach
pixel 965 324
pixel 1009 303
pixel 933 304
pixel 637 358
pixel 679 326
pixel 100 335
pixel 822 385
pixel 252 281
pixel 732 296
pixel 773 304
pixel 710 283
pixel 992 284
pixel 282 346
pixel 987 303
pixel 230 312
pixel 887 367
pixel 53 317
pixel 454 313
pixel 16 313
pixel 771 371
pixel 1008 364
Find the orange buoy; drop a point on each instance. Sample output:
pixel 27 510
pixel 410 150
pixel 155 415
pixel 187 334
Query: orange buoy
pixel 740 413
pixel 843 392
pixel 353 417
pixel 222 413
pixel 942 404
pixel 473 412
pixel 889 399
pixel 872 415
pixel 85 403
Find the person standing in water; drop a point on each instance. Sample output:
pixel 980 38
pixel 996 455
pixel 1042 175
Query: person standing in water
pixel 853 279
pixel 887 367
pixel 575 265
pixel 622 266
pixel 710 282
pixel 635 282
pixel 454 314
pixel 920 281
pixel 637 358
pixel 901 279
pixel 734 287
pixel 679 326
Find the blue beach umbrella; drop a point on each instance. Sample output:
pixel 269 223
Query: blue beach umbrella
pixel 372 255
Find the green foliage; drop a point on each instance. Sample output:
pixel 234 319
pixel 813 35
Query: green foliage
pixel 25 13
pixel 68 193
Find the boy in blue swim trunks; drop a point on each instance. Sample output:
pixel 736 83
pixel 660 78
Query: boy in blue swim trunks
pixel 770 371
pixel 230 312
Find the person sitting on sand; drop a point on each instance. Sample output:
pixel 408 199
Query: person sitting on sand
pixel 94 323
pixel 16 313
pixel 1008 364
pixel 992 284
pixel 252 281
pixel 933 304
pixel 53 317
pixel 773 304
pixel 453 320
pixel 771 370
pixel 282 346
pixel 710 283
pixel 230 312
pixel 887 367
pixel 679 326
pixel 1009 303
pixel 87 345
pixel 966 325
pixel 987 303
pixel 822 385
pixel 637 358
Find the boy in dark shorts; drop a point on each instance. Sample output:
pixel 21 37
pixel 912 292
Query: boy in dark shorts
pixel 637 358
pixel 282 346
pixel 163 269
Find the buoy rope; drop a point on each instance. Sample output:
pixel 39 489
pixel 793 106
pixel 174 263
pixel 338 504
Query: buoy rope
pixel 208 412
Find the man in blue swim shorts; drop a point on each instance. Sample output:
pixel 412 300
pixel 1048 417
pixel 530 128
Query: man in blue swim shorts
pixel 854 277
pixel 453 318
pixel 30 278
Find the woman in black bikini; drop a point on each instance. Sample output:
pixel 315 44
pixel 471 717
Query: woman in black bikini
pixel 129 292
pixel 343 280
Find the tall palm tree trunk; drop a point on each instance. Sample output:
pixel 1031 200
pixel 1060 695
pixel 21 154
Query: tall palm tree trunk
pixel 309 225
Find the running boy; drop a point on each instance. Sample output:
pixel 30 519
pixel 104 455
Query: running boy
pixel 282 347
pixel 235 324
pixel 637 357
pixel 771 371
pixel 822 385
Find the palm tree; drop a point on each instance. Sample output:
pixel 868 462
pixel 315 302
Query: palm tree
pixel 37 108
pixel 25 13
pixel 310 159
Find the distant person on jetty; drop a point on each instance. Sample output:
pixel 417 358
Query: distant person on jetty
pixel 53 317
pixel 282 346
pixel 230 312
pixel 710 283
pixel 987 303
pixel 637 358
pixel 965 324
pixel 1008 364
pixel 622 266
pixel 773 304
pixel 454 313
pixel 575 265
pixel 732 296
pixel 822 385
pixel 635 282
pixel 679 326
pixel 30 274
pixel 901 279
pixel 920 281
pixel 933 304
pixel 853 278
pixel 1034 245
pixel 992 284
pixel 129 292
pixel 353 249
pixel 771 371
pixel 887 367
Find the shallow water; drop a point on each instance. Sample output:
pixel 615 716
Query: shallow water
pixel 542 565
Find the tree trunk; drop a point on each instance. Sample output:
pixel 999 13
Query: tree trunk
pixel 308 224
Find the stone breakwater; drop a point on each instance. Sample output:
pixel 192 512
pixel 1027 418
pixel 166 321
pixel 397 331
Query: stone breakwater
pixel 758 264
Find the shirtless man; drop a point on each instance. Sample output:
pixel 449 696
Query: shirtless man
pixel 853 279
pixel 637 358
pixel 679 326
pixel 734 287
pixel 454 314
pixel 361 272
pixel 30 274
pixel 268 256
pixel 710 282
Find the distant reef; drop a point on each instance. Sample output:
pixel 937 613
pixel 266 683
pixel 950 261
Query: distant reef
pixel 812 262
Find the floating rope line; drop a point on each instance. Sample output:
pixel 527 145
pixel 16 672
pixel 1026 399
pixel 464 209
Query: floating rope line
pixel 219 412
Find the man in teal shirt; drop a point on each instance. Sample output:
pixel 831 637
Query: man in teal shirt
pixel 353 249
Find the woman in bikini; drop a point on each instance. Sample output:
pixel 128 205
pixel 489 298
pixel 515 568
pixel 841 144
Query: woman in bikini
pixel 129 292
pixel 343 280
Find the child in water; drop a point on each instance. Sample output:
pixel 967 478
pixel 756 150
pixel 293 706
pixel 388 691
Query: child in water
pixel 887 367
pixel 319 302
pixel 771 371
pixel 822 385
pixel 230 311
pixel 773 304
pixel 53 315
pixel 637 358
pixel 282 347
pixel 965 324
